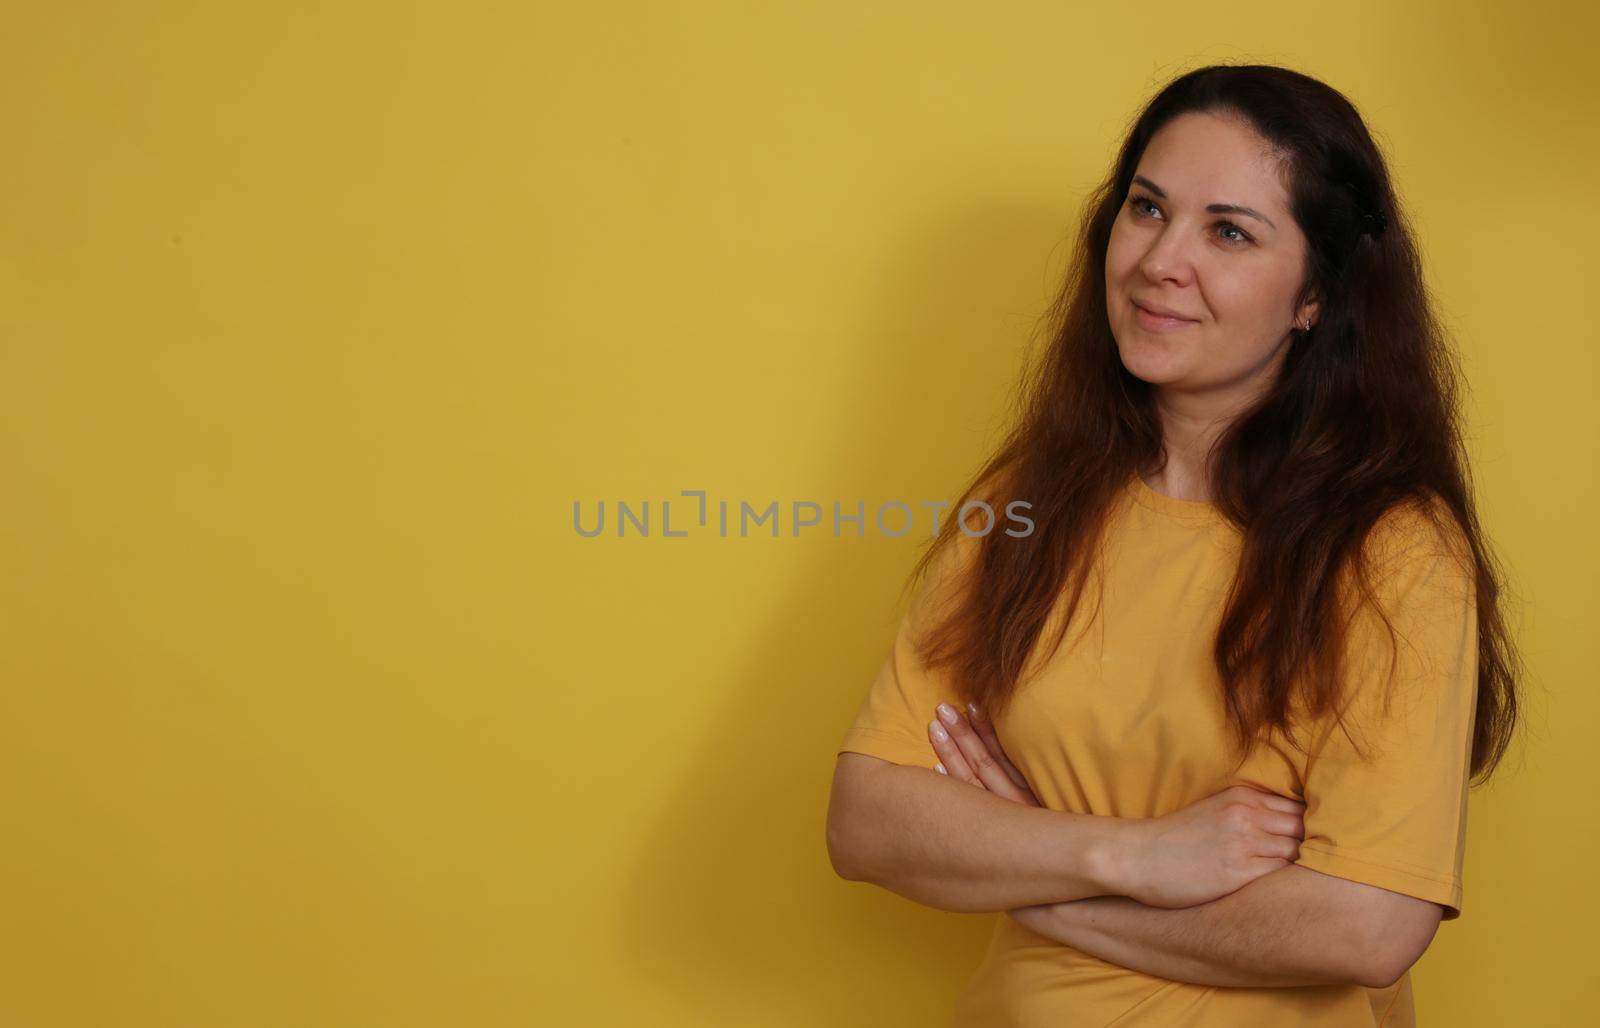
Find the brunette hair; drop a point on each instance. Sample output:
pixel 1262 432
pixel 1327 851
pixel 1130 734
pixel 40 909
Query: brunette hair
pixel 1360 423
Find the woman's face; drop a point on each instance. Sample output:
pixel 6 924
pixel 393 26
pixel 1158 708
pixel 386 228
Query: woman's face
pixel 1231 275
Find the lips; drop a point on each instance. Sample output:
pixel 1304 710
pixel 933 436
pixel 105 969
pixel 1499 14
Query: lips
pixel 1161 324
pixel 1162 312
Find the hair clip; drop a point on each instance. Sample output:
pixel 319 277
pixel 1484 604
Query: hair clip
pixel 1373 223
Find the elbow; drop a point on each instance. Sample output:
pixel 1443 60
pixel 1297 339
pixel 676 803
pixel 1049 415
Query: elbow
pixel 840 853
pixel 1380 975
pixel 850 817
pixel 846 841
pixel 1383 974
pixel 1397 940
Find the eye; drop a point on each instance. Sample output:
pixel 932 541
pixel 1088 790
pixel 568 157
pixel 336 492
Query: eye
pixel 1138 204
pixel 1228 226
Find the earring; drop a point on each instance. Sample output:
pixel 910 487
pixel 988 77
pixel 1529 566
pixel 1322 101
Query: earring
pixel 1308 324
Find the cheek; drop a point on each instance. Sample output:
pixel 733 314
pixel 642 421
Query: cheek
pixel 1119 255
pixel 1246 300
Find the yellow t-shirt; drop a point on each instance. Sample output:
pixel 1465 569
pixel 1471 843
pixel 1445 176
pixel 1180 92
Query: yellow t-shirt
pixel 1127 720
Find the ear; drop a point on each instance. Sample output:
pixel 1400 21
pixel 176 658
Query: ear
pixel 1310 310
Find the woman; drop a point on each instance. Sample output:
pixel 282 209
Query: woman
pixel 1241 674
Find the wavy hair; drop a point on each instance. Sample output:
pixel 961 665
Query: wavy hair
pixel 1361 421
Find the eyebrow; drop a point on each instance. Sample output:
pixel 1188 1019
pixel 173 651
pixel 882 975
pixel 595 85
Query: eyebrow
pixel 1215 208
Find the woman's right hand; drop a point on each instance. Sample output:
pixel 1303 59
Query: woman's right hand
pixel 1211 847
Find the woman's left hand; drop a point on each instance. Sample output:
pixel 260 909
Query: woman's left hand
pixel 971 753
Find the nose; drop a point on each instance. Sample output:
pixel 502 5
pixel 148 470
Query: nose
pixel 1166 259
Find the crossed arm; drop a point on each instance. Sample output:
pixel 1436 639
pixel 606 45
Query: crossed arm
pixel 1292 926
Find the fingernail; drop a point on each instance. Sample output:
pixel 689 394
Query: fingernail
pixel 939 767
pixel 949 714
pixel 972 708
pixel 938 731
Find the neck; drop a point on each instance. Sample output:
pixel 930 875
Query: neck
pixel 1191 425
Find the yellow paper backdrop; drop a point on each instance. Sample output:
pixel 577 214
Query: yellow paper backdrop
pixel 315 320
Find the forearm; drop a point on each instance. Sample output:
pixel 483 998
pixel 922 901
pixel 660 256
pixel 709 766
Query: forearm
pixel 947 845
pixel 1290 927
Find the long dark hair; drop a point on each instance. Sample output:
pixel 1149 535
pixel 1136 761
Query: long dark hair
pixel 1360 422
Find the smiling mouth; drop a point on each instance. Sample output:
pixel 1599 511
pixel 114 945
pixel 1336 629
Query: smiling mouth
pixel 1160 322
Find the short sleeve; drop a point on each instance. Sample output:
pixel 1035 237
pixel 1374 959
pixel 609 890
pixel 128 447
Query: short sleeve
pixel 1393 813
pixel 892 721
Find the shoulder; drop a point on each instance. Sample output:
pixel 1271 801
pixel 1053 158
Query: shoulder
pixel 1417 564
pixel 1419 529
pixel 948 565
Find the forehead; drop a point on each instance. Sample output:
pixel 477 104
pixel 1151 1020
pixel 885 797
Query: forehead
pixel 1200 159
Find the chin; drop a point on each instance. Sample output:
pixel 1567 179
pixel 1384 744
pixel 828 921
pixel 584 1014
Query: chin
pixel 1149 361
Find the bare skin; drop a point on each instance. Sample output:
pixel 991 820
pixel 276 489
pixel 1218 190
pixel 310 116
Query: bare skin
pixel 1193 855
pixel 997 848
pixel 1283 925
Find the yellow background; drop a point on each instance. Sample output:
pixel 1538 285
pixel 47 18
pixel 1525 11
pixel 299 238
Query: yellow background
pixel 315 320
